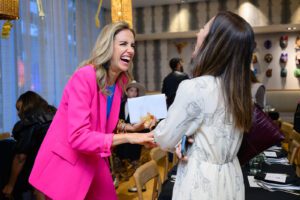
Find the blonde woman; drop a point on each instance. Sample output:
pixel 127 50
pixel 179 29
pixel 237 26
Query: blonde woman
pixel 72 162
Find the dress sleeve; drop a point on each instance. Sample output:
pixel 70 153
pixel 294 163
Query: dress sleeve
pixel 184 117
pixel 80 135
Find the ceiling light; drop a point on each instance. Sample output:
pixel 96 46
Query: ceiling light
pixel 294 28
pixel 289 28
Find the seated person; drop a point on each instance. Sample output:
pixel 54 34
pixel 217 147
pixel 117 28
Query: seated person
pixel 127 156
pixel 35 117
pixel 7 146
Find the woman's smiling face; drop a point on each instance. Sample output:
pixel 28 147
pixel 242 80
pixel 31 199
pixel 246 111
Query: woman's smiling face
pixel 123 51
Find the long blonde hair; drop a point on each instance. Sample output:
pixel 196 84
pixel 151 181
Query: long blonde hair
pixel 103 52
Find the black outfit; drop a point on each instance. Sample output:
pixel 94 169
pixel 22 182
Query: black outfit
pixel 128 151
pixel 171 83
pixel 29 134
pixel 7 147
pixel 169 88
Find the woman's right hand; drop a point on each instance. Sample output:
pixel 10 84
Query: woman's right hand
pixel 7 190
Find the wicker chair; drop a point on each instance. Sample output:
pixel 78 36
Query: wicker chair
pixel 287 130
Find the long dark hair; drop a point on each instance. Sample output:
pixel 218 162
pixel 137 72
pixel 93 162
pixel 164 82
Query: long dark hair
pixel 226 52
pixel 30 103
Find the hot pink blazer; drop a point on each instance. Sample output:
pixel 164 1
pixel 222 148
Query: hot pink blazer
pixel 78 141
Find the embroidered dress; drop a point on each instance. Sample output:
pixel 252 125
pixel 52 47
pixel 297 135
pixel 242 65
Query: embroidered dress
pixel 212 171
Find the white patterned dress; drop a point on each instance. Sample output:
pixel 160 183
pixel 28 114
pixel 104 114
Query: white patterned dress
pixel 213 171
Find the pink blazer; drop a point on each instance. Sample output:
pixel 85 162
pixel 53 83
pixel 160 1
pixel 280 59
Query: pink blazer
pixel 78 141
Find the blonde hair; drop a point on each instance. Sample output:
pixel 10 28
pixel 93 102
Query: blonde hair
pixel 103 52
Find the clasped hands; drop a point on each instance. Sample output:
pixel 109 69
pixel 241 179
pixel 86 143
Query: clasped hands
pixel 146 139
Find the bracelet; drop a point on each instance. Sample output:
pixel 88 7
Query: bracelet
pixel 123 127
pixel 120 126
pixel 125 130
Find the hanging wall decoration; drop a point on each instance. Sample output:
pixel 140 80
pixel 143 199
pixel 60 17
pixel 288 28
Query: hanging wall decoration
pixel 297 48
pixel 283 41
pixel 297 73
pixel 97 21
pixel 283 72
pixel 268 57
pixel 269 73
pixel 121 10
pixel 254 58
pixel 297 42
pixel 268 44
pixel 283 58
pixel 6 29
pixel 179 46
pixel 298 59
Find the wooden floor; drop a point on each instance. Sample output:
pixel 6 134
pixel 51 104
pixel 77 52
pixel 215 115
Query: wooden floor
pixel 123 194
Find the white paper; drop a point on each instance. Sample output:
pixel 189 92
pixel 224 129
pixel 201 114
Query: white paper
pixel 274 148
pixel 280 186
pixel 252 181
pixel 270 154
pixel 276 177
pixel 283 161
pixel 154 104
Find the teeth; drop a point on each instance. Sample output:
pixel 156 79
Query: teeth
pixel 125 60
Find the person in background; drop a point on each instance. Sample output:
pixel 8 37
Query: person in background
pixel 128 155
pixel 78 143
pixel 214 108
pixel 171 83
pixel 258 91
pixel 35 117
pixel 173 79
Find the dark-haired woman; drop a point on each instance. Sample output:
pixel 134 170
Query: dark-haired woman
pixel 215 108
pixel 35 117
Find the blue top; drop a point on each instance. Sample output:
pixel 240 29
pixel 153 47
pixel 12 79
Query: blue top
pixel 110 98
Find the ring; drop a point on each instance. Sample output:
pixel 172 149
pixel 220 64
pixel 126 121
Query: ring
pixel 154 140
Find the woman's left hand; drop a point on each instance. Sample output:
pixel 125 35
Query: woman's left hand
pixel 138 138
pixel 178 150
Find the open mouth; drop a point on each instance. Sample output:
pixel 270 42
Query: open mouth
pixel 125 59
